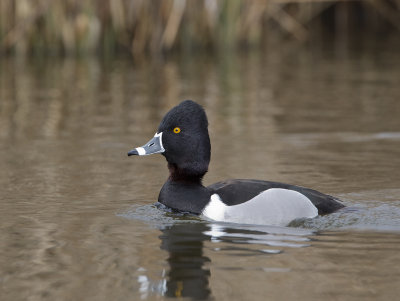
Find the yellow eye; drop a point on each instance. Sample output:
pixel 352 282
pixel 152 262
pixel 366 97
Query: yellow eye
pixel 177 130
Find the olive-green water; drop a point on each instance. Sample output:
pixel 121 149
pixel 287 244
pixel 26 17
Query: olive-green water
pixel 77 220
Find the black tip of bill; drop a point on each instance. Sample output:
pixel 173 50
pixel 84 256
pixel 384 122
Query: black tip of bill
pixel 133 152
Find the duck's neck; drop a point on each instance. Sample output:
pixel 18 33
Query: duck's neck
pixel 184 191
pixel 177 174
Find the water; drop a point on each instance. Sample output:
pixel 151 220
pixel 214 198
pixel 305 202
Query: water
pixel 78 220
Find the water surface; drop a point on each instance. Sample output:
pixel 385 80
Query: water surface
pixel 78 220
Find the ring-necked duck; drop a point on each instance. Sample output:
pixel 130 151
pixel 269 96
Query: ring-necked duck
pixel 183 139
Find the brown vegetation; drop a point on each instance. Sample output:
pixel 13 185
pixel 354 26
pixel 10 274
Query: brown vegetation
pixel 156 26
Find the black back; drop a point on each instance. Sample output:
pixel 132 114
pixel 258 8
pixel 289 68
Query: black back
pixel 234 192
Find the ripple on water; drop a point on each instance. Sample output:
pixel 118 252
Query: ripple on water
pixel 373 210
pixel 363 212
pixel 377 210
pixel 227 237
pixel 157 215
pixel 192 243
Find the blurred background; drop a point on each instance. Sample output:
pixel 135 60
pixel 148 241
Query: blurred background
pixel 155 28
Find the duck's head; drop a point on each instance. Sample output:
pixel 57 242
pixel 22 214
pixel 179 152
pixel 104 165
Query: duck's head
pixel 182 137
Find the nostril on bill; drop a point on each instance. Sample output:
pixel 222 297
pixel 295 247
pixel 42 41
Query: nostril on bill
pixel 151 144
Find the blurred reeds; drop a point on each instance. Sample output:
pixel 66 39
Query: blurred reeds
pixel 55 27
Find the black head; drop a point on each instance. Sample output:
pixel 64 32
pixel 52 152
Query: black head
pixel 182 137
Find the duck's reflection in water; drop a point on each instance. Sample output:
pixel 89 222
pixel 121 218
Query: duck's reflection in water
pixel 186 242
pixel 188 274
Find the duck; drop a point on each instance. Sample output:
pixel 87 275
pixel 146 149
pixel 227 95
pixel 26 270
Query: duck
pixel 182 138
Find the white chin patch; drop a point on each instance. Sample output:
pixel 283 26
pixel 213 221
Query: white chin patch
pixel 141 151
pixel 274 207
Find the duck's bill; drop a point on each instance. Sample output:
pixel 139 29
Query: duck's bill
pixel 154 146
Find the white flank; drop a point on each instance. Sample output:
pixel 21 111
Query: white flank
pixel 275 207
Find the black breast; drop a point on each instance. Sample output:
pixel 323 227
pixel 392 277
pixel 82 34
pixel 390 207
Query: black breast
pixel 184 196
